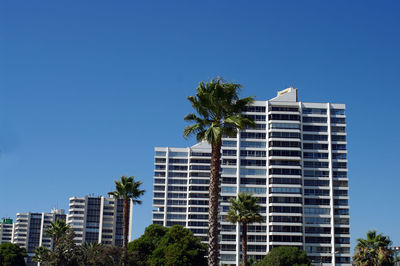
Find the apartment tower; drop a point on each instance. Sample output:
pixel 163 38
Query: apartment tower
pixel 97 219
pixel 29 230
pixel 294 161
pixel 6 230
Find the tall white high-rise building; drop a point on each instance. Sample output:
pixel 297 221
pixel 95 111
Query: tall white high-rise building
pixel 294 161
pixel 97 219
pixel 30 228
pixel 6 230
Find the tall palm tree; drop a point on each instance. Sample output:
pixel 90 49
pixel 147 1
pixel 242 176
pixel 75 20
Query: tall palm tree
pixel 373 251
pixel 219 113
pixel 128 190
pixel 57 229
pixel 244 210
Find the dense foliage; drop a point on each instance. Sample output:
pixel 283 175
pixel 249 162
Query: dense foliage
pixel 167 246
pixel 285 256
pixel 12 254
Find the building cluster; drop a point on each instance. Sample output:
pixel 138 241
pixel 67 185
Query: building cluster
pixel 93 218
pixel 294 162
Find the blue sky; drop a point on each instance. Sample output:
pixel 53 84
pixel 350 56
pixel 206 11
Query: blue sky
pixel 88 89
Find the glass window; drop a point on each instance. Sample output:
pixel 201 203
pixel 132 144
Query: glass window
pixel 228 189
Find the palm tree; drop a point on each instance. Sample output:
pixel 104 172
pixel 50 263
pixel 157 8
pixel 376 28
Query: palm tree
pixel 373 251
pixel 128 190
pixel 57 229
pixel 245 210
pixel 219 113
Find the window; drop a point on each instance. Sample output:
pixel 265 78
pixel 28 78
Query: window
pixel 284 126
pixel 316 211
pixel 317 220
pixel 315 155
pixel 284 109
pixel 178 154
pixel 315 164
pixel 253 144
pixel 256 117
pixel 245 171
pixel 316 192
pixel 161 153
pixel 229 171
pixel 312 173
pixel 255 190
pixel 338 120
pixel 255 109
pixel 339 147
pixel 285 153
pixel 177 174
pixel 338 138
pixel 337 111
pixel 293 144
pixel 228 161
pixel 318 111
pixel 310 119
pixel 253 181
pixel 315 137
pixel 315 128
pixel 247 153
pixel 228 190
pixel 228 152
pixel 284 162
pixel 285 190
pixel 201 154
pixel 286 135
pixel 229 143
pixel 338 129
pixel 341 156
pixel 288 181
pixel 251 135
pixel 316 183
pixel 285 200
pixel 284 117
pixel 252 162
pixel 184 161
pixel 284 171
pixel 312 201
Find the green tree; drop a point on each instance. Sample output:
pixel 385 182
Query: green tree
pixel 12 255
pixel 141 249
pixel 244 210
pixel 42 255
pixel 99 255
pixel 65 253
pixel 219 113
pixel 285 256
pixel 57 229
pixel 178 247
pixel 129 190
pixel 373 251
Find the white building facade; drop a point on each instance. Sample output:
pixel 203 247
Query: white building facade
pixel 97 219
pixel 29 231
pixel 6 230
pixel 295 162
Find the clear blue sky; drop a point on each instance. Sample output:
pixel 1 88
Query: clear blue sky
pixel 89 88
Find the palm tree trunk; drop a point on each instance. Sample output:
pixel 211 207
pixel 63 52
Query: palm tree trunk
pixel 125 230
pixel 213 250
pixel 244 243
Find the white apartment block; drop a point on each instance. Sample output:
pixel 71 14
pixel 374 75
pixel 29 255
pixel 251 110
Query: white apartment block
pixel 294 161
pixel 6 230
pixel 97 219
pixel 29 230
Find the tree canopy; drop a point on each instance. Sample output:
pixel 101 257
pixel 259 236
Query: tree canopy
pixel 12 254
pixel 167 246
pixel 285 256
